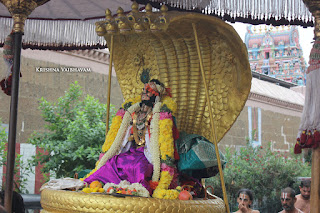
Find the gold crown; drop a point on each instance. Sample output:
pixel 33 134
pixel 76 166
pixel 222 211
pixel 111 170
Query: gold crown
pixel 135 21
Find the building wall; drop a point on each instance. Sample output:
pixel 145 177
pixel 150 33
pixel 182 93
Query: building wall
pixel 276 125
pixel 51 85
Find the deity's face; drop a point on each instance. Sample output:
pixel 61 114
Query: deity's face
pixel 244 200
pixel 148 91
pixel 287 201
pixel 305 192
pixel 145 95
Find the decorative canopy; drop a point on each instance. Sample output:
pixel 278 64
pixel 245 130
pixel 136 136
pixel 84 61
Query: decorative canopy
pixel 163 45
pixel 60 24
pixel 275 12
pixel 72 9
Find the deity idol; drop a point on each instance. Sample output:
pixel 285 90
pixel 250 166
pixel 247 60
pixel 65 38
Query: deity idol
pixel 139 146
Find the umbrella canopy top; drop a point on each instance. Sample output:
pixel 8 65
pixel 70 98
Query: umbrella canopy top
pixel 73 9
pixel 275 12
pixel 63 25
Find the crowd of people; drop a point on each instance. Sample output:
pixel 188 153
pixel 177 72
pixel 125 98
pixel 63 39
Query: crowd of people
pixel 291 203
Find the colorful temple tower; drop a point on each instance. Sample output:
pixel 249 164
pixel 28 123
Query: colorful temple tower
pixel 276 52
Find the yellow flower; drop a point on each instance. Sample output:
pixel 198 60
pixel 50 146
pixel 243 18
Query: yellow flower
pixel 165 180
pixel 171 104
pixel 132 100
pixel 166 194
pixel 116 123
pixel 166 138
pixel 126 102
pixel 86 190
pixel 137 99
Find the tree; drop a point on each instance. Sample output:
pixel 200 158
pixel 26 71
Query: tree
pixel 75 133
pixel 20 177
pixel 264 172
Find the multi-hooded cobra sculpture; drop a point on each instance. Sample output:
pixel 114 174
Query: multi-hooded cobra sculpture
pixel 204 62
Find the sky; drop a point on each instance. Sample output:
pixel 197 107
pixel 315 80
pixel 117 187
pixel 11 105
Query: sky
pixel 305 37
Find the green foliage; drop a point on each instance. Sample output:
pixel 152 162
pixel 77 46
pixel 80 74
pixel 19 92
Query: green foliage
pixel 263 171
pixel 76 131
pixel 20 177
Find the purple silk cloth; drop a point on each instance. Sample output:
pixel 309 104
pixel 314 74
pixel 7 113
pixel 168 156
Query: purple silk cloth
pixel 132 166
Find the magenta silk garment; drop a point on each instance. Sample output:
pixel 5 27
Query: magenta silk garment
pixel 132 166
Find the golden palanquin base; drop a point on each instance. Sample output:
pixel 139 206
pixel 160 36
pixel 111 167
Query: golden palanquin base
pixel 70 201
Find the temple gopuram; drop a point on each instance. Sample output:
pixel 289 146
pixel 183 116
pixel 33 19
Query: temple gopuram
pixel 276 52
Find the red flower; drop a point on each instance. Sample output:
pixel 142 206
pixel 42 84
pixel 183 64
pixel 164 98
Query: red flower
pixel 153 184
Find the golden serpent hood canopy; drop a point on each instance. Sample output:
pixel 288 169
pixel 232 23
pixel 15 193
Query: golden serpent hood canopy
pixel 163 45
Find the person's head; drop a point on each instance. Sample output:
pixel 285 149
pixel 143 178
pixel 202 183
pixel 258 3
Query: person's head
pixel 152 92
pixel 288 198
pixel 245 197
pixel 305 188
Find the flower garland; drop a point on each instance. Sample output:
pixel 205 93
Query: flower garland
pixel 170 104
pixel 161 139
pixel 166 139
pixel 116 123
pixel 116 145
pixel 166 146
pixel 162 191
pixel 154 129
pixel 111 136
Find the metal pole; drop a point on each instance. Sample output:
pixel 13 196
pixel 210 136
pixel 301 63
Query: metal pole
pixel 13 121
pixel 225 198
pixel 315 181
pixel 109 85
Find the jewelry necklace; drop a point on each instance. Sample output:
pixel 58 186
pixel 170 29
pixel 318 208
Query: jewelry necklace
pixel 140 125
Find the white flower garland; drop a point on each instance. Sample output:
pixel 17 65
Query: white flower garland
pixel 154 142
pixel 116 145
pixel 154 131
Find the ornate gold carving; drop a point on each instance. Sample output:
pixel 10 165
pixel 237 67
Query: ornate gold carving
pixel 169 50
pixel 20 10
pixel 69 201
